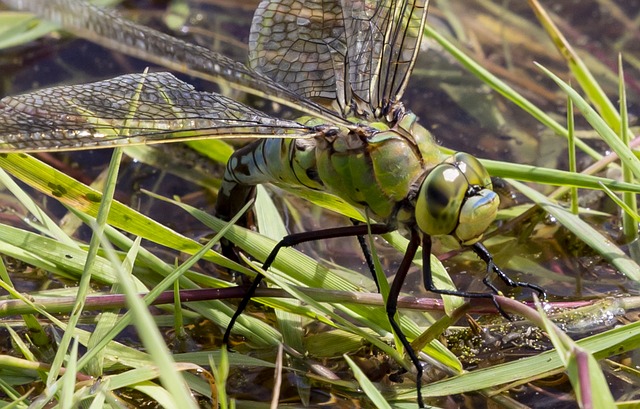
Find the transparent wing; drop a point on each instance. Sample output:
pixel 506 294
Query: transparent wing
pixel 357 52
pixel 383 41
pixel 301 44
pixel 130 109
pixel 108 29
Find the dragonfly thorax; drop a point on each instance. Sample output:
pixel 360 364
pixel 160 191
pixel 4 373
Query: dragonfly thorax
pixel 456 199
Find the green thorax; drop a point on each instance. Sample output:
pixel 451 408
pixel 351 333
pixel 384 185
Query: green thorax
pixel 375 166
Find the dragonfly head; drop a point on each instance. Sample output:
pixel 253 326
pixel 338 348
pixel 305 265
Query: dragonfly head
pixel 456 199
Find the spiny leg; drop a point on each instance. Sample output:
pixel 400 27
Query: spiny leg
pixel 486 256
pixel 392 301
pixel 293 240
pixel 427 277
pixel 367 255
pixel 392 308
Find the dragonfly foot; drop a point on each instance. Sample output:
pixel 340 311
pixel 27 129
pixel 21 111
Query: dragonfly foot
pixel 484 254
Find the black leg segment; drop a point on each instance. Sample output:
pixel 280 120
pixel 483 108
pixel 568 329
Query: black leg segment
pixel 298 238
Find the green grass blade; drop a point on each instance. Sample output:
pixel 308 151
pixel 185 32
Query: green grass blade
pixel 599 125
pixel 150 335
pixel 628 210
pixel 69 380
pixel 629 223
pixel 584 231
pixel 18 28
pixel 220 372
pixel 369 388
pixel 505 90
pixel 585 374
pixel 572 154
pixel 85 278
pixel 579 69
pixel 528 173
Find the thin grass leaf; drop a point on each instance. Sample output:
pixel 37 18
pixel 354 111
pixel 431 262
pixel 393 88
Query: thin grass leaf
pixel 579 69
pixel 572 154
pixel 178 325
pixel 18 28
pixel 623 205
pixel 536 174
pixel 69 380
pixel 369 388
pixel 85 278
pixel 629 223
pixel 20 345
pixel 220 373
pixel 599 125
pixel 585 232
pixel 585 375
pixel 180 396
pixel 505 90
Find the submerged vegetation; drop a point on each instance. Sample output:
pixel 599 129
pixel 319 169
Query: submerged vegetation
pixel 537 108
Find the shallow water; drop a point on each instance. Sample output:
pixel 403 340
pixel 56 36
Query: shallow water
pixel 463 115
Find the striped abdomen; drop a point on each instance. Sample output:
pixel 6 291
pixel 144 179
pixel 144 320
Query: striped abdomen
pixel 372 169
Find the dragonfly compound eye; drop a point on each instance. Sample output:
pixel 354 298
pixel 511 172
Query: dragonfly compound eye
pixel 440 199
pixel 453 200
pixel 472 169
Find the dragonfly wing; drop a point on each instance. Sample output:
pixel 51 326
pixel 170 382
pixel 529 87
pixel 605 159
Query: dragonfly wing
pixel 358 52
pixel 126 110
pixel 301 44
pixel 110 30
pixel 383 41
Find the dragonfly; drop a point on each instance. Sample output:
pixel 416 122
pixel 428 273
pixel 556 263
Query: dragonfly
pixel 344 64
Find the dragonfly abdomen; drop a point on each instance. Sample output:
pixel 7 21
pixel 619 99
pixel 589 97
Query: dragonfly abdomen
pixel 284 162
pixel 372 169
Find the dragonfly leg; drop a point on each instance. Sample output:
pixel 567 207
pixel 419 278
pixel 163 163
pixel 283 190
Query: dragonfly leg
pixel 430 286
pixel 392 308
pixel 293 240
pixel 428 277
pixel 484 254
pixel 367 255
pixel 241 307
